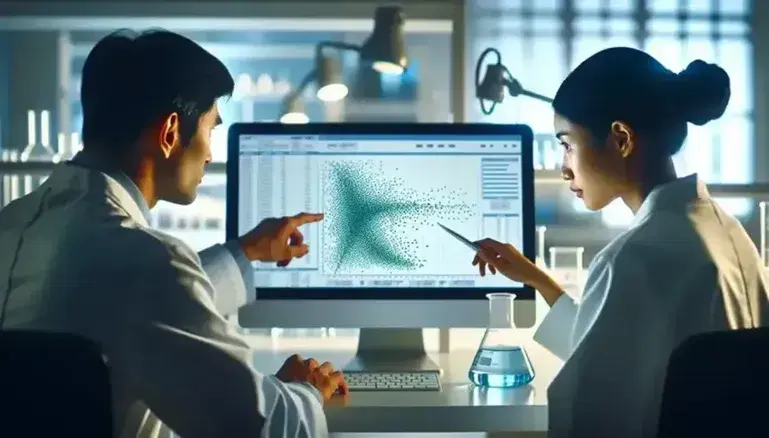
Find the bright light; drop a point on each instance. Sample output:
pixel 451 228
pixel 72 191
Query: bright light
pixel 332 92
pixel 243 86
pixel 281 87
pixel 387 68
pixel 264 84
pixel 294 118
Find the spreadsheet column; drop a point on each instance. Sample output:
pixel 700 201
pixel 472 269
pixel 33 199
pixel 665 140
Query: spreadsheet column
pixel 500 186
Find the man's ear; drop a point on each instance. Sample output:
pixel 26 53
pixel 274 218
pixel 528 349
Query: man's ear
pixel 623 137
pixel 169 135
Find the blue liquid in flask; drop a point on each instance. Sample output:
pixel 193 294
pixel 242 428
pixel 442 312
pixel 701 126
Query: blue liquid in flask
pixel 501 367
pixel 500 361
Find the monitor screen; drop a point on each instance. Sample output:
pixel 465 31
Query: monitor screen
pixel 385 197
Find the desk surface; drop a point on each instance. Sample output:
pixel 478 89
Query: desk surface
pixel 458 407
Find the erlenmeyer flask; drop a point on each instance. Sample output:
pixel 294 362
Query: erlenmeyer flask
pixel 501 361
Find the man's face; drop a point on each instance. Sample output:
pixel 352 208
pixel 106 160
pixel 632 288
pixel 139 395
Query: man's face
pixel 183 166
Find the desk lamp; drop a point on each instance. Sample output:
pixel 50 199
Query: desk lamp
pixel 497 78
pixel 384 51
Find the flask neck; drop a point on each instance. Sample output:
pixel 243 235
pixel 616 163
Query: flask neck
pixel 501 315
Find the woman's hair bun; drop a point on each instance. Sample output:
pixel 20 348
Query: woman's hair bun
pixel 702 92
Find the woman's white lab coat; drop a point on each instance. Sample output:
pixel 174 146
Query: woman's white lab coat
pixel 683 267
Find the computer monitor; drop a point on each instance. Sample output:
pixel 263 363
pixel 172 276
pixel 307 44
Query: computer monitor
pixel 379 260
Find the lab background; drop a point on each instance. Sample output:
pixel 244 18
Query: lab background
pixel 268 48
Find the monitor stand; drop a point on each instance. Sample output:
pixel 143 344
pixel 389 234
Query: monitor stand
pixel 391 350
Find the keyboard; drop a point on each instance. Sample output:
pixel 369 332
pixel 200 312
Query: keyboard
pixel 421 381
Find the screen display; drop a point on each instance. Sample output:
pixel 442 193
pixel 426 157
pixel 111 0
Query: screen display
pixel 384 197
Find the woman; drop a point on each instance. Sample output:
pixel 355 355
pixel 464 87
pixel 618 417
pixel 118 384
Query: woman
pixel 683 267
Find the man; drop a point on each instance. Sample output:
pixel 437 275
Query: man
pixel 79 256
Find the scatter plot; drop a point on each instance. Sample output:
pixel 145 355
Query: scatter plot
pixel 374 219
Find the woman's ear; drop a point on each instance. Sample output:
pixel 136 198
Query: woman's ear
pixel 623 137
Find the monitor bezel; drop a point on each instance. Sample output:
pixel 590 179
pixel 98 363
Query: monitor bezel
pixel 470 129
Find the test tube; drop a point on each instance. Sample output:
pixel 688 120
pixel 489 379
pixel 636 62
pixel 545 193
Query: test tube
pixel 6 157
pixel 26 181
pixel 540 258
pixel 13 156
pixel 45 129
pixel 538 154
pixel 61 142
pixel 31 129
pixel 566 265
pixel 74 142
pixel 61 148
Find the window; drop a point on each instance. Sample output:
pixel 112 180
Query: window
pixel 530 49
pixel 529 38
pixel 262 78
pixel 721 151
pixel 266 66
pixel 540 44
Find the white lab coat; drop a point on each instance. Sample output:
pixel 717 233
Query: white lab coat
pixel 683 267
pixel 88 263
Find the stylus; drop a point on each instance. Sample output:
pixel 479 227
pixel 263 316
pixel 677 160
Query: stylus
pixel 461 238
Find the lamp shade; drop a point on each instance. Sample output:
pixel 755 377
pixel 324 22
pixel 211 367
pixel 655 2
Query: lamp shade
pixel 329 78
pixel 293 112
pixel 493 85
pixel 385 48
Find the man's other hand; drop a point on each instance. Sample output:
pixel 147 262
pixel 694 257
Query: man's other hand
pixel 323 377
pixel 278 239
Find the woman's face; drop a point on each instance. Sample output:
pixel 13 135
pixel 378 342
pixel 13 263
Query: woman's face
pixel 594 168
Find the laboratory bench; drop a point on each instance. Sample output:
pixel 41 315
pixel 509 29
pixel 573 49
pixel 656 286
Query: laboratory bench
pixel 458 407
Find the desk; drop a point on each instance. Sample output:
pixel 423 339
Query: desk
pixel 459 407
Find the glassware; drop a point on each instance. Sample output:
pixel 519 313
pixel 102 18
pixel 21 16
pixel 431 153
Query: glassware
pixel 567 267
pixel 501 361
pixel 540 258
pixel 38 150
pixel 540 305
pixel 5 156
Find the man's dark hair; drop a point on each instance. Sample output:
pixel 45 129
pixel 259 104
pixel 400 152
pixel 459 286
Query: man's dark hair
pixel 131 81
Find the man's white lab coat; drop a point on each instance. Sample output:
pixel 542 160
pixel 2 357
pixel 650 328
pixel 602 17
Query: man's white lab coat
pixel 78 256
pixel 683 267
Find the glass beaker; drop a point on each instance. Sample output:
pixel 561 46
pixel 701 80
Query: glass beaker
pixel 567 267
pixel 501 361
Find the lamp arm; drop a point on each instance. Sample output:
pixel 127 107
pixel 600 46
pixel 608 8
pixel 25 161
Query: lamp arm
pixel 339 45
pixel 537 96
pixel 514 88
pixel 296 92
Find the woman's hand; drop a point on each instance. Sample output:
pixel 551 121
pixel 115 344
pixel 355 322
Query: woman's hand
pixel 505 259
pixel 508 261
